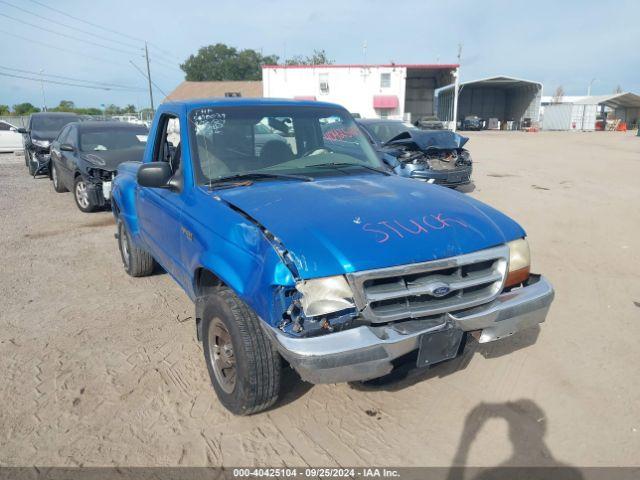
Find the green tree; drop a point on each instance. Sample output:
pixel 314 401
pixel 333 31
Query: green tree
pixel 319 57
pixel 221 62
pixel 112 110
pixel 89 111
pixel 129 109
pixel 65 106
pixel 4 110
pixel 25 109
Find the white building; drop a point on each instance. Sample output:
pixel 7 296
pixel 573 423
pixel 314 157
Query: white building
pixel 404 92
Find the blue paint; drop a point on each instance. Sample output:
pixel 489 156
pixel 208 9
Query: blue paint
pixel 330 226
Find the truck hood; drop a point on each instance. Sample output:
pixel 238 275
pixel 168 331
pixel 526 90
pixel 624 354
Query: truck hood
pixel 344 224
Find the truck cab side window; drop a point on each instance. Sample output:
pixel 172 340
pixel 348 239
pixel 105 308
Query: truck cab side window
pixel 168 143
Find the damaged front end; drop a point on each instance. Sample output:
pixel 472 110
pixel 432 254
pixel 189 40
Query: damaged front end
pixel 98 176
pixel 98 183
pixel 319 306
pixel 433 156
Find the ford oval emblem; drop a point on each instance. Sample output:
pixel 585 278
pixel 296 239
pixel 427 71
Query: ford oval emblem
pixel 441 291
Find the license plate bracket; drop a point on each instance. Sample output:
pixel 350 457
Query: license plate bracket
pixel 439 346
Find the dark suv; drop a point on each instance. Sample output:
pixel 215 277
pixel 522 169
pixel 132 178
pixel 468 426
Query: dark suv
pixel 42 130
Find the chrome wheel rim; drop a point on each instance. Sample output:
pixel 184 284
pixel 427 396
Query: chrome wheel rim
pixel 222 357
pixel 54 175
pixel 82 194
pixel 124 247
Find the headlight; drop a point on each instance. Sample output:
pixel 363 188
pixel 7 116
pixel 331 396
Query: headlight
pixel 322 296
pixel 41 143
pixel 519 262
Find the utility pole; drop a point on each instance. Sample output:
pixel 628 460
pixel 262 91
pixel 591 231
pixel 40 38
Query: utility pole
pixel 44 101
pixel 455 90
pixel 589 89
pixel 146 54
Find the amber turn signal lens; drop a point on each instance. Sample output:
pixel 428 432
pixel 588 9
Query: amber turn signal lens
pixel 517 277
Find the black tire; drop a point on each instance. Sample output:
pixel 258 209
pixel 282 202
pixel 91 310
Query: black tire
pixel 26 157
pixel 82 197
pixel 32 166
pixel 257 364
pixel 136 261
pixel 55 179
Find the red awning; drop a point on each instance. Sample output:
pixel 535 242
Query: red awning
pixel 305 97
pixel 385 101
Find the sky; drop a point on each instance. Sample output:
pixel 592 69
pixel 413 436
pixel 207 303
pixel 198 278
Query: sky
pixel 567 43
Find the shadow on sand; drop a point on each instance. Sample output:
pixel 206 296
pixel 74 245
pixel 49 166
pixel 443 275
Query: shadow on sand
pixel 530 458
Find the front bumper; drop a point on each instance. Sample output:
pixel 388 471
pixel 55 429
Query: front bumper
pixel 367 352
pixel 446 178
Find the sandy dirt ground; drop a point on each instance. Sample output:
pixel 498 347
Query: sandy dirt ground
pixel 102 369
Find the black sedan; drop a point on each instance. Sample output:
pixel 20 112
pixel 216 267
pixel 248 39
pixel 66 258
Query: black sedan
pixel 42 130
pixel 435 156
pixel 85 156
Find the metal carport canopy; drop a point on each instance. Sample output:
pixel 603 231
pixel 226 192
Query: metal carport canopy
pixel 500 81
pixel 615 100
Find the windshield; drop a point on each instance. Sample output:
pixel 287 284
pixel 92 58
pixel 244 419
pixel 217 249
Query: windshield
pixel 50 123
pixel 384 132
pixel 276 139
pixel 112 139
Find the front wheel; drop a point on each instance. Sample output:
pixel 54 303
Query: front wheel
pixel 136 261
pixel 244 367
pixel 55 179
pixel 32 163
pixel 81 194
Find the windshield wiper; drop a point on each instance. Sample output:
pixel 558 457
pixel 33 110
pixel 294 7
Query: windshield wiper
pixel 337 165
pixel 253 175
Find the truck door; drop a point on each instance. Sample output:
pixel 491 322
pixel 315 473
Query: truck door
pixel 159 209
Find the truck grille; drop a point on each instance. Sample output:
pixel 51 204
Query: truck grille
pixel 430 288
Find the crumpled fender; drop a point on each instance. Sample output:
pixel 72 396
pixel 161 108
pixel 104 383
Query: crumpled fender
pixel 237 250
pixel 123 194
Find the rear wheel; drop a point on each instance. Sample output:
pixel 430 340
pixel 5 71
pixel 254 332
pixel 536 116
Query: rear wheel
pixel 136 261
pixel 55 178
pixel 81 194
pixel 243 365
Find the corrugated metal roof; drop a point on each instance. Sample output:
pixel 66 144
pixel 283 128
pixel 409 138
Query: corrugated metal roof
pixel 191 90
pixel 422 66
pixel 499 81
pixel 614 100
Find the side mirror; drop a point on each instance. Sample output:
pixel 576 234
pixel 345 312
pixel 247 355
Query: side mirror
pixel 155 175
pixel 66 147
pixel 23 131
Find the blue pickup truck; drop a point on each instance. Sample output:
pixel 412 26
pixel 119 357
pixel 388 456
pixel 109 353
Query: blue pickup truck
pixel 303 248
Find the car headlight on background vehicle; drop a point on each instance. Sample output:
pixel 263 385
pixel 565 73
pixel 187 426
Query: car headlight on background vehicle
pixel 322 296
pixel 519 262
pixel 41 143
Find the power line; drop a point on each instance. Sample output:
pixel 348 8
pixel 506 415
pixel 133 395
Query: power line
pixel 60 83
pixel 165 65
pixel 61 49
pixel 93 34
pixel 165 52
pixel 87 22
pixel 145 76
pixel 39 27
pixel 114 85
pixel 95 25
